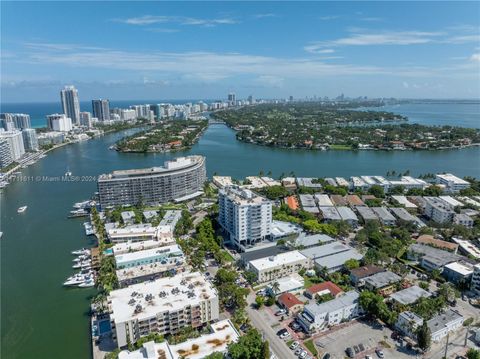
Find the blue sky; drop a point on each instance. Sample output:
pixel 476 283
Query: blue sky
pixel 175 50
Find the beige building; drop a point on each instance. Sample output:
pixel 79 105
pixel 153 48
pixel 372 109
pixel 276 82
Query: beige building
pixel 279 266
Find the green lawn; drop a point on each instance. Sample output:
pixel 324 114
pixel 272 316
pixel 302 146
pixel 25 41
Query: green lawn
pixel 310 346
pixel 340 147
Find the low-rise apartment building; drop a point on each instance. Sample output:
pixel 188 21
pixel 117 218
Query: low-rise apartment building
pixel 164 306
pixel 278 266
pixel 444 323
pixel 316 317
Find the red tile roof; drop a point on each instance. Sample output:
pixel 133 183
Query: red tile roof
pixel 366 271
pixel 292 202
pixel 289 300
pixel 331 287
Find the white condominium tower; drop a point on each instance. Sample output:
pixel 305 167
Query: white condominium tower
pixel 15 142
pixel 70 103
pixel 246 216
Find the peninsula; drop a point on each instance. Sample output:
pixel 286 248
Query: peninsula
pixel 164 137
pixel 327 125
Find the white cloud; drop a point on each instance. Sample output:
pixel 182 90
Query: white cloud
pixel 475 57
pixel 181 20
pixel 211 66
pixel 262 16
pixel 329 17
pixel 316 49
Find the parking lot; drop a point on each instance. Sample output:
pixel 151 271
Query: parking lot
pixel 356 333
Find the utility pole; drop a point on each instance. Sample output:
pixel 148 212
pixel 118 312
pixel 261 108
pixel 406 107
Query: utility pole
pixel 446 345
pixel 466 336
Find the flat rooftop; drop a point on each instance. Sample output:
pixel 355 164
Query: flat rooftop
pixel 442 320
pixel 448 177
pixel 382 279
pixel 404 201
pixel 330 213
pixel 460 268
pixel 145 300
pixel 367 213
pixel 312 240
pixel 243 196
pixel 169 166
pixel 126 247
pixel 345 300
pixel 410 295
pixel 323 200
pixel 148 253
pixel 277 260
pixel 347 214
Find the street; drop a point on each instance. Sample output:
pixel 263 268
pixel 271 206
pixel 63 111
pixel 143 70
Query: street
pixel 277 345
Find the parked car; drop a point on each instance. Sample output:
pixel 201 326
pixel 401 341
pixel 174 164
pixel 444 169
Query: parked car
pixel 294 345
pixel 350 352
pixel 326 356
pixel 285 335
pixel 282 331
pixel 294 325
pixel 361 347
pixel 280 312
pixel 356 349
pixel 298 351
pixel 302 354
pixel 368 357
pixel 379 353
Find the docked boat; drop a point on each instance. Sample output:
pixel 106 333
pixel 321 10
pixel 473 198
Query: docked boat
pixel 22 209
pixel 79 252
pixel 74 280
pixel 87 284
pixel 88 229
pixel 81 259
pixel 84 264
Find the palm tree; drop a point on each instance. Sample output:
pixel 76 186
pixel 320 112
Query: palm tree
pixel 275 287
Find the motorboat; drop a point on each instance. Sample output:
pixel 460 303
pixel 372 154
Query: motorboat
pixel 84 264
pixel 74 280
pixel 87 284
pixel 88 228
pixel 82 251
pixel 22 209
pixel 81 259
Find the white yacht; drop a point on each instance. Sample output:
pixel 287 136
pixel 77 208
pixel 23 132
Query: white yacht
pixel 22 209
pixel 82 251
pixel 88 283
pixel 84 264
pixel 74 280
pixel 88 228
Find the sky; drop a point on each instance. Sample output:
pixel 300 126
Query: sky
pixel 180 50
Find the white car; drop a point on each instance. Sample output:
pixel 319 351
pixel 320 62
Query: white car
pixel 281 312
pixel 294 345
pixel 302 354
pixel 284 335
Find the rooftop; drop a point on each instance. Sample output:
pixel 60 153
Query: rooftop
pixel 410 295
pixel 242 196
pixel 289 300
pixel 441 321
pixel 367 213
pixel 343 301
pixel 382 279
pixel 126 247
pixel 173 250
pixel 428 239
pixel 223 333
pixel 347 214
pixel 338 200
pixel 312 240
pixel 330 213
pixel 366 271
pixel 145 300
pixel 404 201
pixel 448 177
pixel 283 229
pixel 308 182
pixel 468 247
pixel 383 213
pixel 325 286
pixel 460 268
pixel 354 200
pixel 403 214
pixel 169 166
pixel 277 260
pixel 323 200
pixel 451 201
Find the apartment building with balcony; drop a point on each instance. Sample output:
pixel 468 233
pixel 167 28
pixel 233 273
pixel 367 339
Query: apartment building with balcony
pixel 164 306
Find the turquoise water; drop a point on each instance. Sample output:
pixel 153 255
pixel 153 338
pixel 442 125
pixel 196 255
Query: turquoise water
pixel 42 319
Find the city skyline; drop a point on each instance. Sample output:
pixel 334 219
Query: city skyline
pixel 175 51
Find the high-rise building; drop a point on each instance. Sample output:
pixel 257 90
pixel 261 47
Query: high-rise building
pixel 6 157
pixel 59 122
pixel 86 119
pixel 181 178
pixel 101 109
pixel 30 140
pixel 71 104
pixel 11 121
pixel 15 141
pixel 232 101
pixel 244 215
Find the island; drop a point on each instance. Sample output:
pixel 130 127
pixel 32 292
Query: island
pixel 163 137
pixel 324 126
